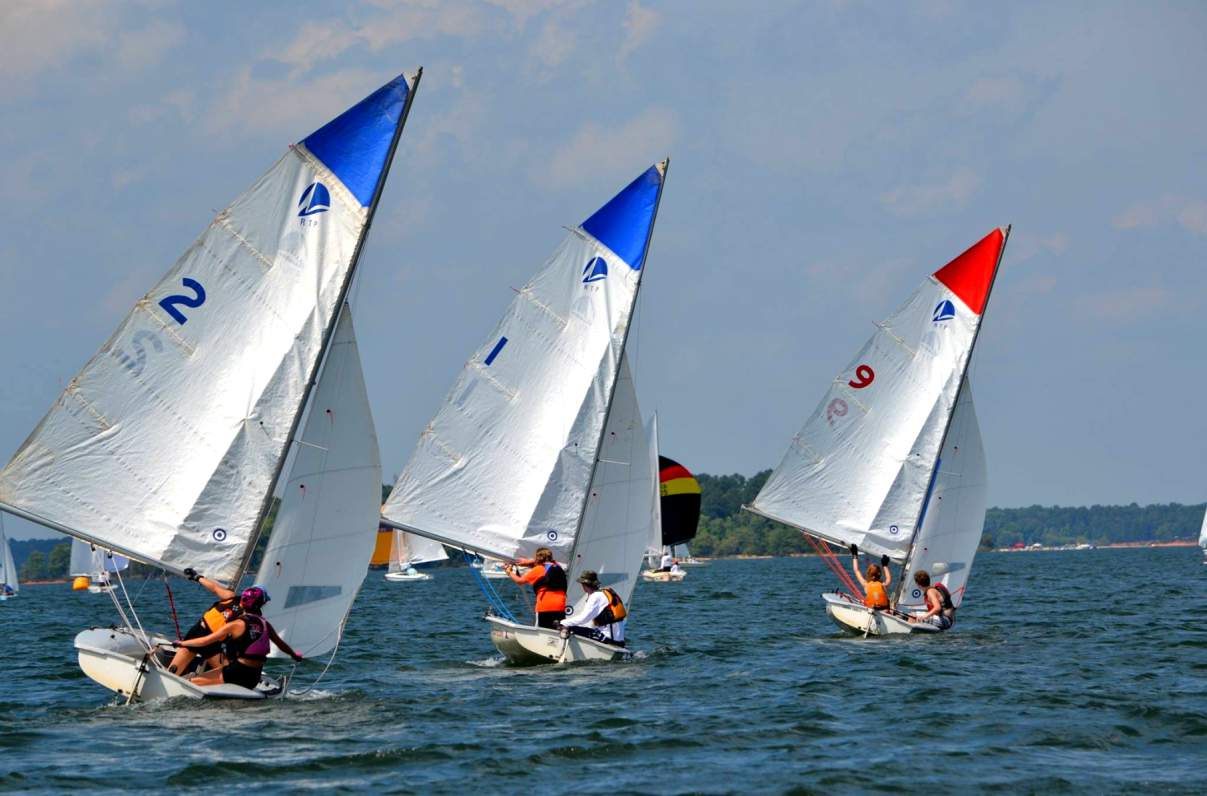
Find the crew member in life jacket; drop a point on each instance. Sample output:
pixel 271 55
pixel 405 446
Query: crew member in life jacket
pixel 245 642
pixel 601 615
pixel 548 580
pixel 223 610
pixel 875 585
pixel 940 610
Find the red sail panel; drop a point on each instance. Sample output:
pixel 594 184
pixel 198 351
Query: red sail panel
pixel 970 275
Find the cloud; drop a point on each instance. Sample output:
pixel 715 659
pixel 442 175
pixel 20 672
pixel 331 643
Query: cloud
pixel 1127 304
pixel 287 105
pixel 1007 92
pixel 1024 246
pixel 924 199
pixel 596 150
pixel 1190 214
pixel 551 47
pixel 138 49
pixel 639 24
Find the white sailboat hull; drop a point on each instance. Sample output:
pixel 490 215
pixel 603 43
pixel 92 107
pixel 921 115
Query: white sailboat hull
pixel 861 620
pixel 403 577
pixel 527 645
pixel 114 658
pixel 662 577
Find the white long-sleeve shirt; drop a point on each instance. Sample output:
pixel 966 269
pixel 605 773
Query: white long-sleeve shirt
pixel 590 607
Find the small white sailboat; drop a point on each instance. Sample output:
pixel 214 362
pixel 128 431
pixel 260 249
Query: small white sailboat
pixel 410 551
pixel 91 567
pixel 169 445
pixel 492 569
pixel 891 459
pixel 540 442
pixel 1203 537
pixel 9 582
pixel 676 515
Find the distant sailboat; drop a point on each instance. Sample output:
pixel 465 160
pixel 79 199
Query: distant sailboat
pixel 9 582
pixel 540 442
pixel 1203 537
pixel 91 566
pixel 410 551
pixel 891 459
pixel 169 445
pixel 677 514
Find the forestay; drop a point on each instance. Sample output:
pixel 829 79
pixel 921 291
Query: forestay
pixel 859 470
pixel 166 445
pixel 411 549
pixel 326 525
pixel 504 466
pixel 955 513
pixel 93 562
pixel 618 514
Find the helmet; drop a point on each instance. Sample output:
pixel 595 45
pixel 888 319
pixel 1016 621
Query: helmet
pixel 253 597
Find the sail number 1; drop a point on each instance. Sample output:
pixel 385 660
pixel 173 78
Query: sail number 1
pixel 170 304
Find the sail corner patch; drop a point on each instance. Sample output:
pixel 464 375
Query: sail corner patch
pixel 623 224
pixel 970 275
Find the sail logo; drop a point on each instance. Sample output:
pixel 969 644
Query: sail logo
pixel 315 199
pixel 219 534
pixel 944 311
pixel 594 271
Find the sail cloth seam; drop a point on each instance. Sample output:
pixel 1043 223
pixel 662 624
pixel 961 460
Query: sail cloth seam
pixel 884 327
pixel 430 433
pixel 493 382
pixel 73 389
pixel 529 296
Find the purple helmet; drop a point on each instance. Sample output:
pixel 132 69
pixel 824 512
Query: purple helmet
pixel 253 597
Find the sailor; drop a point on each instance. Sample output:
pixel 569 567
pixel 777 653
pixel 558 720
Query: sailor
pixel 875 585
pixel 675 568
pixel 940 610
pixel 221 611
pixel 548 580
pixel 667 562
pixel 602 614
pixel 245 641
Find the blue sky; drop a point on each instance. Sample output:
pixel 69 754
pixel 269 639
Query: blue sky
pixel 825 157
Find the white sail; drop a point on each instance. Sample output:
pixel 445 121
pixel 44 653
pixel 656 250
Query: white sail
pixel 1203 533
pixel 410 549
pixel 93 562
pixel 326 526
pixel 618 514
pixel 9 582
pixel 166 445
pixel 954 517
pixel 504 466
pixel 859 470
pixel 653 545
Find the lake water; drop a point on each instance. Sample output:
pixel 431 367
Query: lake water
pixel 1067 672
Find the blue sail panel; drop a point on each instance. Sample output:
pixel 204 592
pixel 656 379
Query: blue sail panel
pixel 355 145
pixel 623 224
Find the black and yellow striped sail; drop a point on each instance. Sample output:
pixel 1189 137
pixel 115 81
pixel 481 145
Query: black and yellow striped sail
pixel 680 493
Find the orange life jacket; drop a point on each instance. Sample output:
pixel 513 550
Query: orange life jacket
pixel 876 596
pixel 221 612
pixel 614 612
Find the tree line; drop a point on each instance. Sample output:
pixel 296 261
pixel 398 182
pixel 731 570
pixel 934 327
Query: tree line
pixel 727 530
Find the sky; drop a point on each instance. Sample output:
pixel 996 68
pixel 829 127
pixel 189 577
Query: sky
pixel 825 158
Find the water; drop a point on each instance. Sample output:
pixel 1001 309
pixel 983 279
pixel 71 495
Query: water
pixel 1078 672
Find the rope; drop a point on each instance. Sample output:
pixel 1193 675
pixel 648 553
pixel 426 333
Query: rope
pixel 330 660
pixel 172 605
pixel 143 637
pixel 492 597
pixel 827 555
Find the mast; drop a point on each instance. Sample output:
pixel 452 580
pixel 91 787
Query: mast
pixel 947 426
pixel 603 429
pixel 329 332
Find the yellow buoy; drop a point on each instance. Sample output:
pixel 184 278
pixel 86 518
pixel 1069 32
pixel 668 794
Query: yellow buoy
pixel 81 583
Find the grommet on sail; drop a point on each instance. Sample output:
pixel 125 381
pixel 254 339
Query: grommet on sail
pixel 168 446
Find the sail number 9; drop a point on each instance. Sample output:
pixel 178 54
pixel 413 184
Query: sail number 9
pixel 192 302
pixel 864 375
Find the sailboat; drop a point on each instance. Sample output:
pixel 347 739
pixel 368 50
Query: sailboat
pixel 1203 537
pixel 409 551
pixel 677 514
pixel 9 585
pixel 168 447
pixel 91 567
pixel 891 459
pixel 540 441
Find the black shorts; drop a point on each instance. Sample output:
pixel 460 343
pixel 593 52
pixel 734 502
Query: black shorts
pixel 200 630
pixel 549 619
pixel 241 674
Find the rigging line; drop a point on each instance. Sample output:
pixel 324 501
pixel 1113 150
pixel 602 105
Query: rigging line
pixel 330 660
pixel 827 555
pixel 492 597
pixel 146 640
pixel 171 604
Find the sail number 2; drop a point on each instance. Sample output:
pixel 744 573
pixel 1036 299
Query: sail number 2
pixel 169 303
pixel 864 376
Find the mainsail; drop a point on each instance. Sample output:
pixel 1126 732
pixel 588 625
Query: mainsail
pixel 8 569
pixel 954 516
pixel 505 465
pixel 168 444
pixel 861 468
pixel 653 545
pixel 326 525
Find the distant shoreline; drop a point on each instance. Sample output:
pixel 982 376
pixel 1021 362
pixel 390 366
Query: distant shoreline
pixel 1176 543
